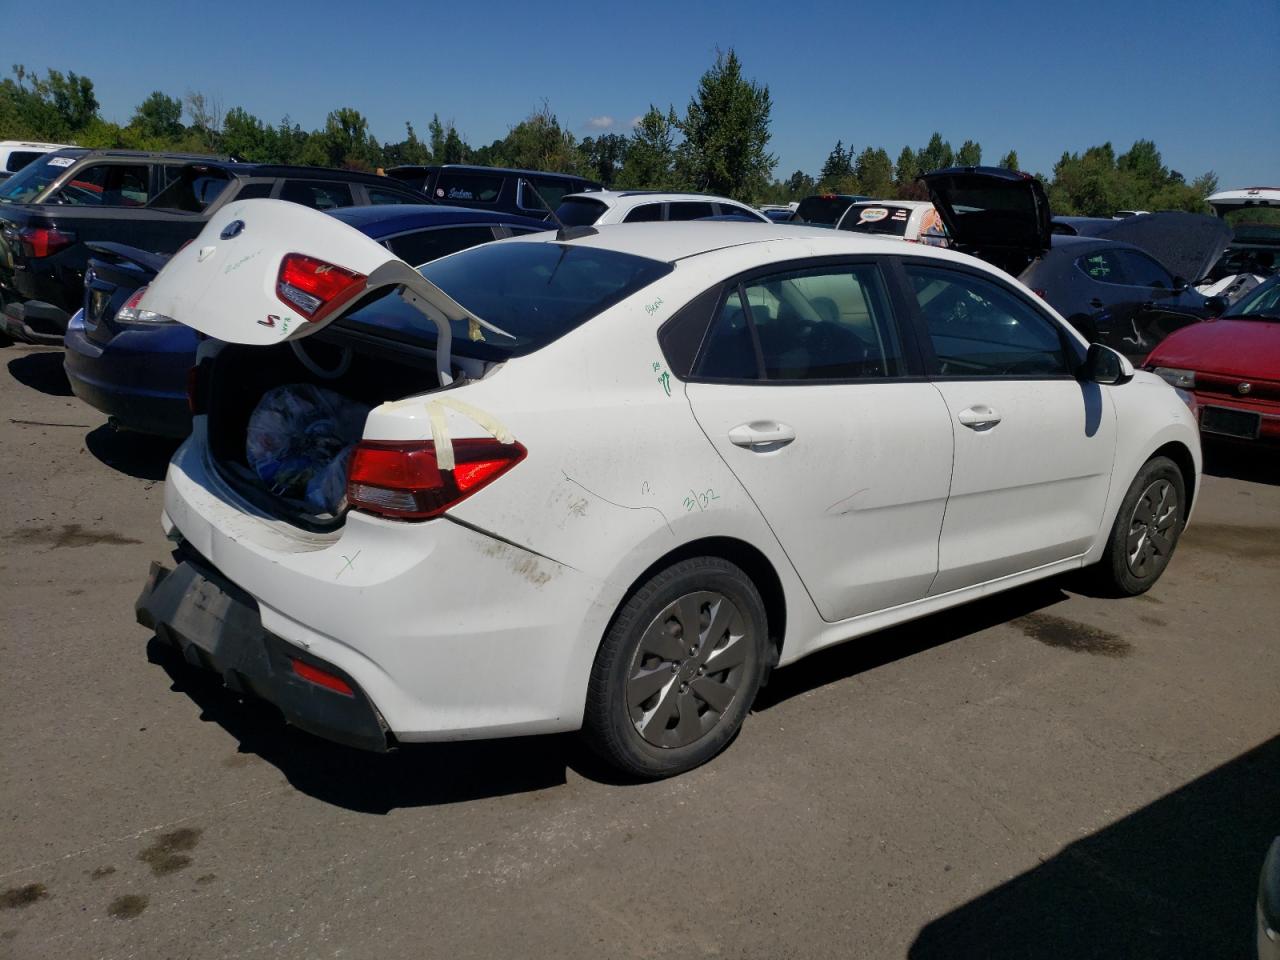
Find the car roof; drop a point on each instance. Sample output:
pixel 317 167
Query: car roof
pixel 32 145
pixel 385 219
pixel 912 204
pixel 621 197
pixel 144 154
pixel 680 240
pixel 296 172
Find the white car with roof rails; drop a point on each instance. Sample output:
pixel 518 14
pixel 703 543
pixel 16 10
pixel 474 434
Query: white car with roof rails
pixel 601 207
pixel 612 477
pixel 916 221
pixel 16 154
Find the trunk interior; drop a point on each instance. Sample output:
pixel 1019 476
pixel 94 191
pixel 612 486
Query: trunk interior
pixel 240 375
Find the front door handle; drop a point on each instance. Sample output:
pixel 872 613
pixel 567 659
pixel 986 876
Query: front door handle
pixel 762 436
pixel 978 417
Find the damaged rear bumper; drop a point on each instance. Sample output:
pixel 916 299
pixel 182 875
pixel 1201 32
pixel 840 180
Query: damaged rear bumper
pixel 216 625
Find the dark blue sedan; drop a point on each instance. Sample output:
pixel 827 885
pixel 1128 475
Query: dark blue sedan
pixel 133 366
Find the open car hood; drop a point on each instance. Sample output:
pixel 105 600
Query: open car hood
pixel 992 209
pixel 232 284
pixel 1186 244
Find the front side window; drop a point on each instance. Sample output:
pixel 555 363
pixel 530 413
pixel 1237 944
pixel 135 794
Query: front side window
pixel 1141 271
pixel 826 323
pixel 317 194
pixel 379 197
pixel 980 329
pixel 108 185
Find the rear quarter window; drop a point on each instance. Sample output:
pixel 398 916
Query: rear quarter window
pixel 317 194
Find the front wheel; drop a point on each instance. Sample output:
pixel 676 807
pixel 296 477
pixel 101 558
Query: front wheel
pixel 678 669
pixel 1146 529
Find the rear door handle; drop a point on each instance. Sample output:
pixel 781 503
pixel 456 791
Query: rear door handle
pixel 978 417
pixel 762 436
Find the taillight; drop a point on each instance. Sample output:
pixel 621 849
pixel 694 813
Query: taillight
pixel 315 288
pixel 45 241
pixel 404 479
pixel 129 312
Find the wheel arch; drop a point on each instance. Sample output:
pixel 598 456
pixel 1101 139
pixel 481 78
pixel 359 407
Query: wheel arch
pixel 753 563
pixel 1178 452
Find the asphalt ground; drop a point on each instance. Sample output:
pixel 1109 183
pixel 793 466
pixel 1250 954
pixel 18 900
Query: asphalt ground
pixel 1043 774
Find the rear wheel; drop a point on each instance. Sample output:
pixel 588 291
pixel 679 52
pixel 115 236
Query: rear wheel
pixel 678 669
pixel 1146 529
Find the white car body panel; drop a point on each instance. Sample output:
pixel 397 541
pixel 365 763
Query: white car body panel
pixel 486 621
pixel 619 203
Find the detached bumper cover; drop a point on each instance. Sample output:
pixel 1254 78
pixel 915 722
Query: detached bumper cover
pixel 216 626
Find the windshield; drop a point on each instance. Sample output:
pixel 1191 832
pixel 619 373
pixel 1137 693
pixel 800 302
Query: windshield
pixel 537 292
pixel 579 211
pixel 1253 224
pixel 25 185
pixel 1262 301
pixel 879 219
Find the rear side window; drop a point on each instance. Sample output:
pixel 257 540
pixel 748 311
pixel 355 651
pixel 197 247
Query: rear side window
pixel 579 211
pixel 1142 271
pixel 317 194
pixel 827 323
pixel 689 211
pixel 193 189
pixel 471 187
pixel 378 197
pixel 645 213
pixel 979 329
pixel 255 191
pixel 427 245
pixel 108 185
pixel 536 292
pixel 1103 266
pixel 20 158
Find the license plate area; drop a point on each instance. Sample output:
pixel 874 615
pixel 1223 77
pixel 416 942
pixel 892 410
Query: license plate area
pixel 1230 423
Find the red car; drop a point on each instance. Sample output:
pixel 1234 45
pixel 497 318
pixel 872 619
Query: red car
pixel 1231 365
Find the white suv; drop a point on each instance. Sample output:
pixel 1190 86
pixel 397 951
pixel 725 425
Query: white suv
pixel 16 154
pixel 647 206
pixel 608 478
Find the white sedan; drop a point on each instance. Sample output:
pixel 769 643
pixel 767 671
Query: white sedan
pixel 610 478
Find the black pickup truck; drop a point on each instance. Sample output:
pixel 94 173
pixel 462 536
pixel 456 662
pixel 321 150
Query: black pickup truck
pixel 51 209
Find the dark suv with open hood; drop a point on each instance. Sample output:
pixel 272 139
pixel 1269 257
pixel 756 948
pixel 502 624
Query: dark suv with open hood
pixel 1127 286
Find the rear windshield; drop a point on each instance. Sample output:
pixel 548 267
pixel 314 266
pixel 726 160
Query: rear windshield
pixel 536 292
pixel 1253 224
pixel 580 212
pixel 879 219
pixel 822 210
pixel 24 185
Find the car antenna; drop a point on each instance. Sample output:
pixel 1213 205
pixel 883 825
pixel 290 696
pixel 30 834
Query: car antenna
pixel 564 233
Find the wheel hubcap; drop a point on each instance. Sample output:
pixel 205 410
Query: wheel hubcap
pixel 1151 528
pixel 687 669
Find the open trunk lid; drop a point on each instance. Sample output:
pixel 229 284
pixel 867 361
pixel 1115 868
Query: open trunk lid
pixel 1186 244
pixel 997 214
pixel 263 272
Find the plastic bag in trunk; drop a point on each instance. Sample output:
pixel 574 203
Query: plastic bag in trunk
pixel 299 443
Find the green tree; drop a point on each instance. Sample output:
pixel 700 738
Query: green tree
pixel 651 152
pixel 935 156
pixel 539 143
pixel 837 168
pixel 906 169
pixel 726 133
pixel 874 171
pixel 245 137
pixel 1010 161
pixel 969 154
pixel 344 142
pixel 410 150
pixel 158 118
pixel 604 156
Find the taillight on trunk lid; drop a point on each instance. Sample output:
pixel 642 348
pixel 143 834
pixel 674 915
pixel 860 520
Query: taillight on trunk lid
pixel 40 242
pixel 315 288
pixel 404 479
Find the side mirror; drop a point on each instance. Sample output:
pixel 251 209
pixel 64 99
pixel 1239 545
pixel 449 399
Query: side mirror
pixel 1104 365
pixel 1215 306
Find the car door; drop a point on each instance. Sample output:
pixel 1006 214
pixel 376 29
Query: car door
pixel 1123 286
pixel 810 391
pixel 1033 444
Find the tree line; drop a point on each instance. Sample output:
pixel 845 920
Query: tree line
pixel 719 144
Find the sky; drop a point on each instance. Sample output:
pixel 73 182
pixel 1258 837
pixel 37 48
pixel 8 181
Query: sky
pixel 1201 80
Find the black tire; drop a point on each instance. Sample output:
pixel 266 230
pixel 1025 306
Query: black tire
pixel 639 651
pixel 1148 523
